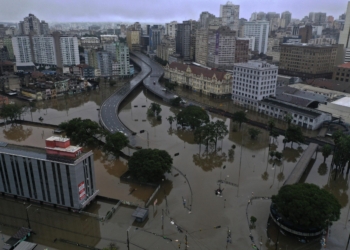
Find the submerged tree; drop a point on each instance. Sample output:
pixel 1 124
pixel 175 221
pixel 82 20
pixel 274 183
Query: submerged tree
pixel 239 117
pixel 307 205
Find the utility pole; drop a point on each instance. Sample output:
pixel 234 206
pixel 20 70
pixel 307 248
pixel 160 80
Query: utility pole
pixel 127 238
pixel 28 216
pixel 163 221
pixel 186 241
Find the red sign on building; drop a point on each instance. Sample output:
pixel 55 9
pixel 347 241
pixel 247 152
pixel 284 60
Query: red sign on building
pixel 81 188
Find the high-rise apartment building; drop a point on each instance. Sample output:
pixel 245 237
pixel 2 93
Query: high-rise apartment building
pixel 204 20
pixel 259 30
pixel 104 63
pixel 308 61
pixel 317 17
pixel 69 50
pixel 22 49
pixel 241 50
pixel 230 15
pixel 156 34
pixel 44 50
pixel 123 60
pixel 201 46
pixel 305 32
pixel 253 81
pixel 221 48
pixel 133 39
pixel 171 28
pixel 166 47
pixel 287 16
pixel 32 25
pixel 59 174
pixel 186 39
pixel 345 35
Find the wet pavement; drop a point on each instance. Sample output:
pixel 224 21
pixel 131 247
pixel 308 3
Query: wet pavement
pixel 248 170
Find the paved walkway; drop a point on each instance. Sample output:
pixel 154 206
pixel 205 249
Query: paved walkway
pixel 300 167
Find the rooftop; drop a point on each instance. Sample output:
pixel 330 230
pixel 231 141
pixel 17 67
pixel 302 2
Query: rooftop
pixel 345 101
pixel 256 64
pixel 298 97
pixel 199 70
pixel 311 45
pixel 330 84
pixel 34 152
pixel 345 65
pixel 289 106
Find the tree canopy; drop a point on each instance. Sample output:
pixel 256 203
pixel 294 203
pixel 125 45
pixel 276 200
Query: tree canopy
pixel 342 149
pixel 294 134
pixel 11 111
pixel 175 102
pixel 210 133
pixel 193 116
pixel 326 151
pixel 83 132
pixel 239 117
pixel 149 165
pixel 115 142
pixel 307 205
pixel 253 132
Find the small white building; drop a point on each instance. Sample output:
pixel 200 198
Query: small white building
pixel 302 116
pixel 253 81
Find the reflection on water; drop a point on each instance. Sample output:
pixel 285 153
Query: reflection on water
pixel 17 133
pixel 338 187
pixel 208 161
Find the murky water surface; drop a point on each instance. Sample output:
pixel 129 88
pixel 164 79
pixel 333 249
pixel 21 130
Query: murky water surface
pixel 248 171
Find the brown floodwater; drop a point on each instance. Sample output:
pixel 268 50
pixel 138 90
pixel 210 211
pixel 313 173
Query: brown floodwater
pixel 248 170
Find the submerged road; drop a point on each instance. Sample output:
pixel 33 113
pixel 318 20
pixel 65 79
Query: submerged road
pixel 150 73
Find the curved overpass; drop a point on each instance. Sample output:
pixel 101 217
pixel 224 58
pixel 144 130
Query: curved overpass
pixel 108 114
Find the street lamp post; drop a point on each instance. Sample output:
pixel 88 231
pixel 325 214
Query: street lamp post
pixel 142 131
pixel 28 216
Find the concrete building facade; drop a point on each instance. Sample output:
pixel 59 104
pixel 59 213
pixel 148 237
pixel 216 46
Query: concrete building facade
pixel 69 50
pixel 252 82
pixel 22 49
pixel 44 50
pixel 123 59
pixel 221 48
pixel 230 15
pixel 213 83
pixel 133 40
pixel 341 72
pixel 259 30
pixel 59 174
pixel 308 61
pixel 242 50
pixel 345 35
pixel 171 28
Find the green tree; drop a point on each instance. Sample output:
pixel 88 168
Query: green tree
pixel 253 132
pixel 175 102
pixel 307 205
pixel 150 165
pixel 253 220
pixel 272 154
pixel 204 135
pixel 342 148
pixel 193 116
pixel 239 117
pixel 84 132
pixel 171 119
pixel 115 142
pixel 155 107
pixel 271 124
pixel 294 134
pixel 278 155
pixel 326 151
pixel 219 130
pixel 288 119
pixel 11 111
pixel 274 134
pixel 112 82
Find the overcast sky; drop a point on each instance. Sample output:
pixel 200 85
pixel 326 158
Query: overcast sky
pixel 154 11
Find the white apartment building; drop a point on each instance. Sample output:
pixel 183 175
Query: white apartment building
pixel 230 15
pixel 171 28
pixel 69 51
pixel 44 50
pixel 22 50
pixel 252 82
pixel 104 62
pixel 259 30
pixel 123 59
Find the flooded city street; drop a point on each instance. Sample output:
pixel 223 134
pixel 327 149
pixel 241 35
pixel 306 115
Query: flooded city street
pixel 247 173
